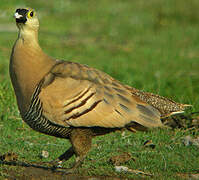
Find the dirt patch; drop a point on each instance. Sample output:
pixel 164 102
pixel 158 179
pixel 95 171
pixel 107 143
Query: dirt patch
pixel 33 173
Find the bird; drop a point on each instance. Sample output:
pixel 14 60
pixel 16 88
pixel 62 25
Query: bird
pixel 73 101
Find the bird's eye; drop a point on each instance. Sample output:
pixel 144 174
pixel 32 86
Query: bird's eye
pixel 30 14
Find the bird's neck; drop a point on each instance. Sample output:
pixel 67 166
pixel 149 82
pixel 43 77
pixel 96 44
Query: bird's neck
pixel 28 65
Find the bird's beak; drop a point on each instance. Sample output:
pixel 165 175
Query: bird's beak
pixel 17 15
pixel 20 18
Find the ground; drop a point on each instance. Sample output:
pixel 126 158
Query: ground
pixel 152 46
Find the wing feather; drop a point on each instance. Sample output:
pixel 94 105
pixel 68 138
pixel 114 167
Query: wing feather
pixel 84 97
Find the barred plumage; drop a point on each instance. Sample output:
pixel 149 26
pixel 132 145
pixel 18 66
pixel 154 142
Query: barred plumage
pixel 35 119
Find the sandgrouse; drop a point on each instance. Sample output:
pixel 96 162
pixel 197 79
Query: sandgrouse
pixel 73 101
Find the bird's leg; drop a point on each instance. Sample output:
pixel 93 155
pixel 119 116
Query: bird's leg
pixel 81 143
pixel 67 155
pixel 64 157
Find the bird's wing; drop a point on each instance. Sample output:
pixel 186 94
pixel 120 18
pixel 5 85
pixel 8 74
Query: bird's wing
pixel 76 95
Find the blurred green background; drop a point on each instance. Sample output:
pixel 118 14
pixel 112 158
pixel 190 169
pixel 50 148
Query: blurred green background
pixel 150 45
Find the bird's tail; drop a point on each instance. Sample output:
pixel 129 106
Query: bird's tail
pixel 166 107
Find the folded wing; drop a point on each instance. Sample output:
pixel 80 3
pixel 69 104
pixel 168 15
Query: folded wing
pixel 79 96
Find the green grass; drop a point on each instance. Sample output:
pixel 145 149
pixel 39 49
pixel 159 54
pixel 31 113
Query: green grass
pixel 151 45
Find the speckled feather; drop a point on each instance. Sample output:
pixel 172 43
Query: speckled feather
pixel 165 106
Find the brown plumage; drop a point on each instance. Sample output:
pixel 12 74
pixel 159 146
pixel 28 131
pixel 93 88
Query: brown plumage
pixel 73 101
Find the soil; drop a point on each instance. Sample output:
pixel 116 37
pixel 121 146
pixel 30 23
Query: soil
pixel 34 173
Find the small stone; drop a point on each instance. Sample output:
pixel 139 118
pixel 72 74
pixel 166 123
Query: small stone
pixel 121 169
pixel 188 141
pixel 44 154
pixel 126 169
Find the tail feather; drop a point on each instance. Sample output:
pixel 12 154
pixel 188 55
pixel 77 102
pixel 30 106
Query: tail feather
pixel 166 107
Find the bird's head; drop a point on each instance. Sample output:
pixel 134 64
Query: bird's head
pixel 26 18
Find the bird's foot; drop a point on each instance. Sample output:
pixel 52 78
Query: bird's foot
pixel 64 170
pixel 55 163
pixel 57 166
